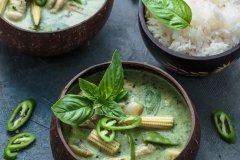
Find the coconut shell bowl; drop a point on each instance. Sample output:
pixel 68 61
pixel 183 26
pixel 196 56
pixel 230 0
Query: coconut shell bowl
pixel 183 64
pixel 52 43
pixel 59 145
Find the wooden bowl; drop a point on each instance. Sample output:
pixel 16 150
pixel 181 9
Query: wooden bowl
pixel 184 64
pixel 57 42
pixel 60 149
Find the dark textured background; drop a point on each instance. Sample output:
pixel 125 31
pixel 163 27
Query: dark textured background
pixel 42 78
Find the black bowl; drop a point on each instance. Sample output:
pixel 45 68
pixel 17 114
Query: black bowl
pixel 184 64
pixel 57 42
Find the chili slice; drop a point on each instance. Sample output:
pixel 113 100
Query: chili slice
pixel 221 119
pixel 25 108
pixel 106 135
pixel 19 141
pixel 128 122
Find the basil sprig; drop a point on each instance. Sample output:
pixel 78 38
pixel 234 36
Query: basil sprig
pixel 75 109
pixel 175 14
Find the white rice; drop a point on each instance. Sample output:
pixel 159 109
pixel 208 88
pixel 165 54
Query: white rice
pixel 215 28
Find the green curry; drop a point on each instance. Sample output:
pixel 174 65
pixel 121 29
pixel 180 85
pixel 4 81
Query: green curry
pixel 169 103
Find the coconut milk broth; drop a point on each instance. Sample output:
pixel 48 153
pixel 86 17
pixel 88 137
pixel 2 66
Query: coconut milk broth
pixel 172 103
pixel 53 21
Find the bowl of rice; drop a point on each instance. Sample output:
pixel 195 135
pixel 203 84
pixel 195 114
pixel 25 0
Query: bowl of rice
pixel 209 45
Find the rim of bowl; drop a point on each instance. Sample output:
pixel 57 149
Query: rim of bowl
pixel 70 27
pixel 145 66
pixel 141 17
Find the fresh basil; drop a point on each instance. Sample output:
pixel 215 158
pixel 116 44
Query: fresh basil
pixel 89 89
pixel 113 79
pixel 73 109
pixel 112 109
pixel 121 95
pixel 152 102
pixel 175 14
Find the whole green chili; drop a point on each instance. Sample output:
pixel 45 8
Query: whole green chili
pixel 221 119
pixel 25 108
pixel 18 142
pixel 155 137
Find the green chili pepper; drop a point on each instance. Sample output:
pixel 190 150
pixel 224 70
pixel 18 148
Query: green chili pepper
pixel 128 122
pixel 78 1
pixel 16 143
pixel 25 108
pixel 106 135
pixel 221 119
pixel 132 146
pixel 40 3
pixel 155 137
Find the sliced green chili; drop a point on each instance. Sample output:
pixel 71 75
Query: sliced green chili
pixel 128 122
pixel 155 137
pixel 25 108
pixel 106 135
pixel 19 141
pixel 40 3
pixel 227 133
pixel 132 146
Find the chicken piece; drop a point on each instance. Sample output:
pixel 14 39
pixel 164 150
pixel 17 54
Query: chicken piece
pixel 50 3
pixel 91 123
pixel 16 10
pixel 76 146
pixel 59 4
pixel 145 149
pixel 133 108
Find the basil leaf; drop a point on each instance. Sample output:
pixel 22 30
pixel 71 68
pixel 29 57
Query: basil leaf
pixel 152 102
pixel 112 109
pixel 176 14
pixel 73 109
pixel 97 104
pixel 113 79
pixel 88 88
pixel 121 95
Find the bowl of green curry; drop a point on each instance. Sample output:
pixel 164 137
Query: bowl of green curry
pixel 51 27
pixel 124 110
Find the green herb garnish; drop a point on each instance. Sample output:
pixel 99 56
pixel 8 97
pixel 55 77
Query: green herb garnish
pixel 175 14
pixel 75 109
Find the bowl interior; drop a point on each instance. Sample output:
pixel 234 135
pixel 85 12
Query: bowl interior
pixel 143 71
pixel 142 20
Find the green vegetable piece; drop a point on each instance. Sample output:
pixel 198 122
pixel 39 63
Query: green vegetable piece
pixel 106 135
pixel 155 137
pixel 25 108
pixel 78 1
pixel 40 3
pixel 121 95
pixel 175 14
pixel 227 133
pixel 152 102
pixel 18 142
pixel 73 109
pixel 128 122
pixel 132 146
